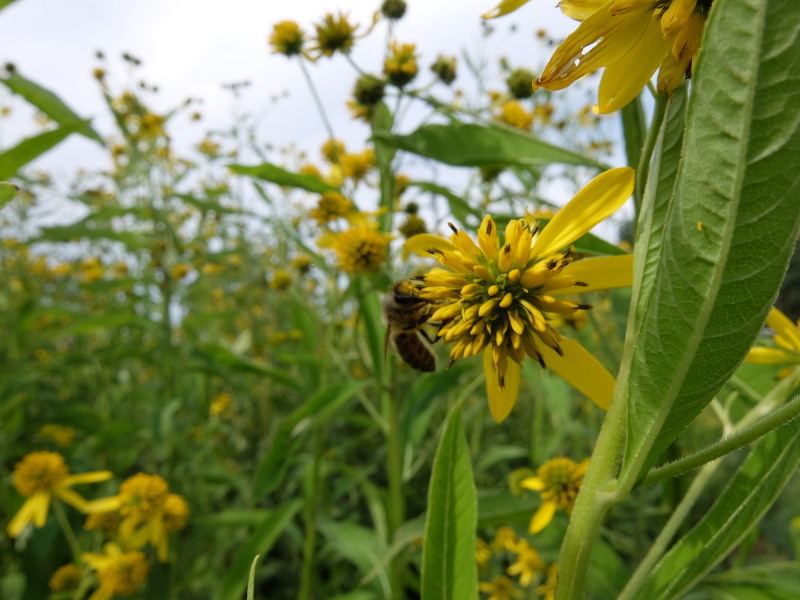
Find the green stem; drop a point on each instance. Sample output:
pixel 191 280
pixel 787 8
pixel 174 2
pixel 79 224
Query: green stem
pixel 396 507
pixel 741 438
pixel 662 100
pixel 310 518
pixel 69 533
pixel 598 494
pixel 320 107
pixel 672 525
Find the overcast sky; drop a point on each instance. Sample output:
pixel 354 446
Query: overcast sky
pixel 191 47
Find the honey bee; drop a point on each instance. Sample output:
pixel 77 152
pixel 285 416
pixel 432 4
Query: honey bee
pixel 405 313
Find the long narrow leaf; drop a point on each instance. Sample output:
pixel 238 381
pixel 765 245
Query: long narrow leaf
pixel 13 159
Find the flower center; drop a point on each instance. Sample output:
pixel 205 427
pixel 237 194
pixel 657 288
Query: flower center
pixel 39 472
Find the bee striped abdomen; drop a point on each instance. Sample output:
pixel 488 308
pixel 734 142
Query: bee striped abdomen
pixel 414 351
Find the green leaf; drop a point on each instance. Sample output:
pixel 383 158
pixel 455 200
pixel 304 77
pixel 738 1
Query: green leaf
pixel 360 546
pixel 750 493
pixel 4 3
pixel 251 578
pixel 459 207
pixel 220 355
pixel 471 145
pixel 323 404
pixel 7 192
pixel 50 104
pixel 449 570
pixel 88 230
pixel 634 130
pixel 731 228
pixel 13 159
pixel 275 174
pixel 260 542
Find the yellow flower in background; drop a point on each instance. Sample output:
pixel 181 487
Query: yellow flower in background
pixel 631 39
pixel 43 477
pixel 287 38
pixel 500 588
pixel 493 297
pixel 175 512
pixel 787 337
pixel 67 578
pixel 558 481
pixel 61 435
pixel 506 539
pixel 528 564
pixel 219 404
pixel 360 249
pixel 514 114
pixel 334 34
pixel 117 572
pixel 548 589
pixel 357 166
pixel 332 150
pixel 482 553
pixel 330 206
pixel 400 67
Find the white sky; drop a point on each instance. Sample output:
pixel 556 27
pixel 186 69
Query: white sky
pixel 191 47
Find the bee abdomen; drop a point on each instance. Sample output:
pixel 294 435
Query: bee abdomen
pixel 414 352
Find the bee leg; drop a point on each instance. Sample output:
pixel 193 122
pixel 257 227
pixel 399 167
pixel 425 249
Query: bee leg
pixel 428 337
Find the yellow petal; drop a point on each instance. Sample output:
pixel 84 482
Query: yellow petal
pixel 93 477
pixel 533 483
pixel 672 73
pixel 598 199
pixel 624 78
pixel 767 356
pixel 581 370
pixel 609 39
pixel 501 401
pixel 602 273
pixel 542 517
pixel 72 498
pixel 504 8
pixel 29 512
pixel 103 505
pixel 580 9
pixel 422 242
pixel 783 327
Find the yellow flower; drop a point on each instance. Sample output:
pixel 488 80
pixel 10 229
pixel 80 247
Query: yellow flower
pixel 61 435
pixel 558 481
pixel 360 249
pixel 107 521
pixel 482 553
pixel 330 206
pixel 787 337
pixel 506 539
pixel 500 588
pixel 334 34
pixel 117 572
pixel 631 39
pixel 176 512
pixel 548 589
pixel 527 566
pixel 493 298
pixel 281 280
pixel 356 166
pixel 445 68
pixel 400 67
pixel 332 150
pixel 67 578
pixel 514 114
pixel 219 404
pixel 287 38
pixel 42 476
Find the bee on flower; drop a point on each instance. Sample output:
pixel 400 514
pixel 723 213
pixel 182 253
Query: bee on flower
pixel 493 297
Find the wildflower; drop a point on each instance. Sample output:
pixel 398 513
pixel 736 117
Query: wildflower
pixel 179 271
pixel 59 434
pixel 527 565
pixel 500 588
pixel 334 34
pixel 493 297
pixel 281 279
pixel 400 67
pixel 208 147
pixel 506 539
pixel 357 166
pixel 367 93
pixel 631 39
pixel 141 505
pixel 520 83
pixel 482 553
pixel 393 9
pixel 362 248
pixel 558 481
pixel 219 404
pixel 332 150
pixel 444 67
pixel 548 589
pixel 515 479
pixel 176 512
pixel 514 114
pixel 287 38
pixel 309 169
pixel 151 125
pixel 117 572
pixel 401 183
pixel 301 263
pixel 787 337
pixel 330 206
pixel 67 578
pixel 107 521
pixel 413 225
pixel 42 476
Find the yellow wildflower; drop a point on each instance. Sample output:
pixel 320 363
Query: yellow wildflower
pixel 287 38
pixel 400 67
pixel 107 521
pixel 330 206
pixel 281 280
pixel 176 512
pixel 332 150
pixel 520 83
pixel 362 248
pixel 117 572
pixel 482 553
pixel 527 565
pixel 444 67
pixel 60 434
pixel 357 166
pixel 493 298
pixel 514 114
pixel 787 337
pixel 334 34
pixel 43 476
pixel 219 404
pixel 500 588
pixel 506 539
pixel 67 578
pixel 302 263
pixel 548 589
pixel 558 481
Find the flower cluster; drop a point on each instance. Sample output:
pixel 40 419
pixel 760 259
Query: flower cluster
pixel 513 564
